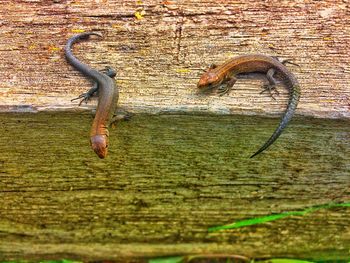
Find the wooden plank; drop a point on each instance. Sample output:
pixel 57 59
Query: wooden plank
pixel 160 56
pixel 166 180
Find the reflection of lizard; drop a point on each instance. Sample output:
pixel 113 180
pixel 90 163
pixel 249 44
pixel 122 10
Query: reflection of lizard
pixel 223 77
pixel 107 96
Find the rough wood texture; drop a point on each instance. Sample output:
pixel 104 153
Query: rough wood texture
pixel 165 181
pixel 160 54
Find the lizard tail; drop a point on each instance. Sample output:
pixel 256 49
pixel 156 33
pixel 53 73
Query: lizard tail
pixel 83 68
pixel 288 114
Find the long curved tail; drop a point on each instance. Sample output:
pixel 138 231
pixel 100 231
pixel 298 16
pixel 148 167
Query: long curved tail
pixel 83 68
pixel 288 114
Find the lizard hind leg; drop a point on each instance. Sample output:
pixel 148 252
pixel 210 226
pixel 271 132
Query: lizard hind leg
pixel 286 61
pixel 86 96
pixel 289 61
pixel 110 72
pixel 271 86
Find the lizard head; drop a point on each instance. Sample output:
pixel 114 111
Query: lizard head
pixel 208 81
pixel 99 144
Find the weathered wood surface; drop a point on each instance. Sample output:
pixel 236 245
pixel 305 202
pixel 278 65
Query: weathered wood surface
pixel 165 181
pixel 160 55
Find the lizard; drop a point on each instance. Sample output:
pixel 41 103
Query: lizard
pixel 108 94
pixel 224 77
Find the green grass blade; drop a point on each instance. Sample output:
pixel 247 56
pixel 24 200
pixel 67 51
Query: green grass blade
pixel 167 260
pixel 264 219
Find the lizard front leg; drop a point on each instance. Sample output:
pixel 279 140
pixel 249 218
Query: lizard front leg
pixel 120 115
pixel 227 86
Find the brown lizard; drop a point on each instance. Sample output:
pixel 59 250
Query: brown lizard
pixel 107 96
pixel 223 77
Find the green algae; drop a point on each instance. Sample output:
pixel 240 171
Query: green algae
pixel 167 179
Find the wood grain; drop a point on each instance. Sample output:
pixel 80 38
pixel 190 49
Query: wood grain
pixel 160 48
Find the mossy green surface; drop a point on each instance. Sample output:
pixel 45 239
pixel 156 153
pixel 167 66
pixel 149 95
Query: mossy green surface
pixel 165 181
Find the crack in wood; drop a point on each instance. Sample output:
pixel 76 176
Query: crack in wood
pixel 178 36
